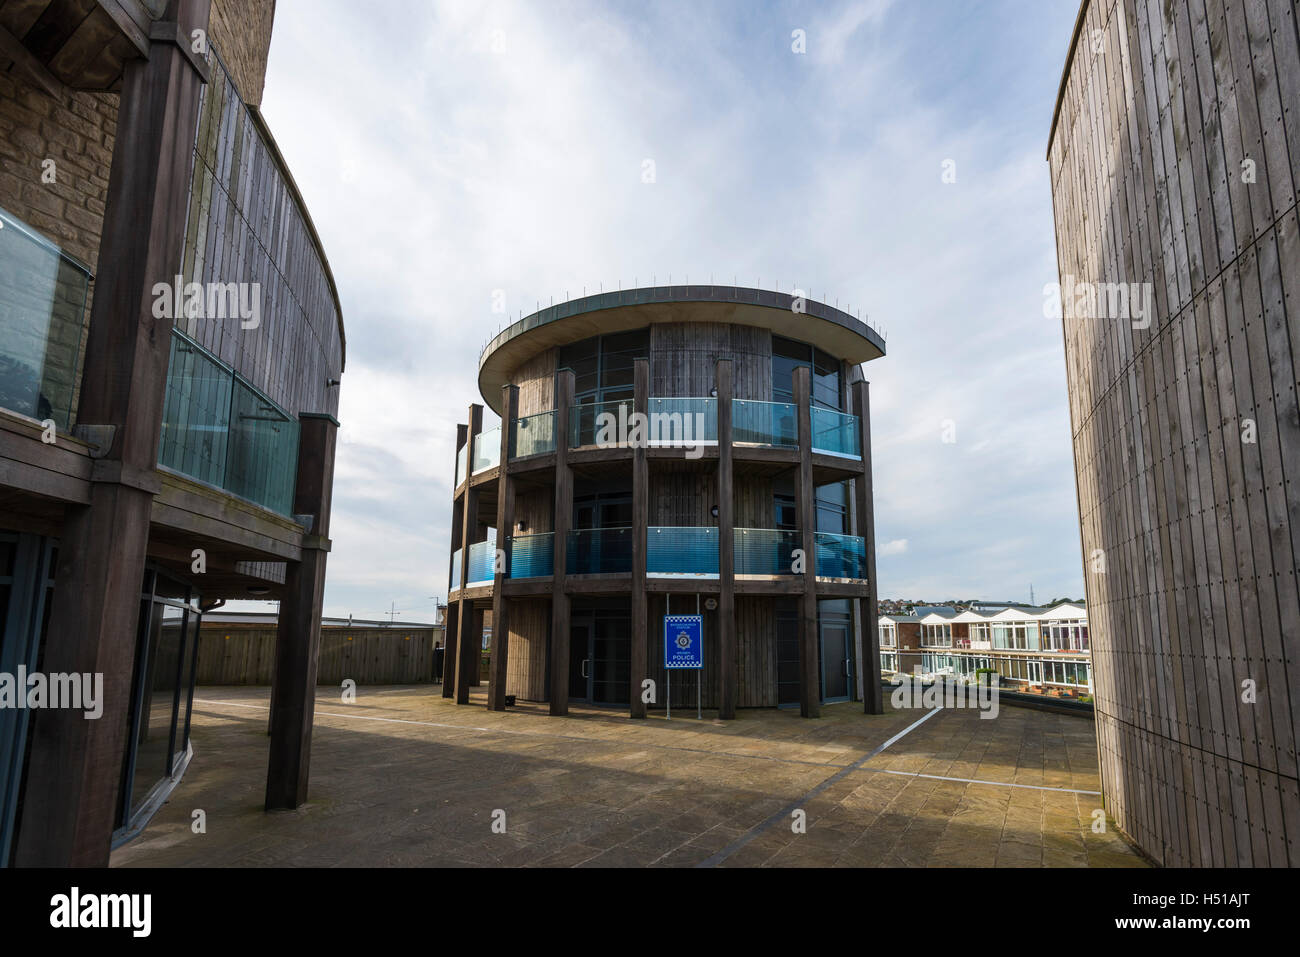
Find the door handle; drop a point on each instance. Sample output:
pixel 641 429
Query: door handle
pixel 584 666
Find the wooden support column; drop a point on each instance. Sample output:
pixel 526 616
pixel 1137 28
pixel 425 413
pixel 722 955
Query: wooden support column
pixel 469 643
pixel 453 584
pixel 640 650
pixel 727 645
pixel 505 529
pixel 873 698
pixel 810 695
pixel 75 766
pixel 564 387
pixel 297 640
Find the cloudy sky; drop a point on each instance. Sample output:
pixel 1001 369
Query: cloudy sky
pixel 448 150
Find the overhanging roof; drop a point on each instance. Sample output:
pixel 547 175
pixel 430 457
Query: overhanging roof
pixel 826 327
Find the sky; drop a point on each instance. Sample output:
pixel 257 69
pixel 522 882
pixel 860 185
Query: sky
pixel 454 152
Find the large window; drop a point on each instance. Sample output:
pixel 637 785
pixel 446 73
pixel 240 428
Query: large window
pixel 159 728
pixel 1015 636
pixel 603 366
pixel 788 355
pixel 1069 635
pixel 888 635
pixel 936 636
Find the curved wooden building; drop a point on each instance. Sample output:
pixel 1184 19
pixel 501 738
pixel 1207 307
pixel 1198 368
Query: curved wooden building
pixel 746 495
pixel 1175 160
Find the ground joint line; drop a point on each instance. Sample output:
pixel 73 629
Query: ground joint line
pixel 785 812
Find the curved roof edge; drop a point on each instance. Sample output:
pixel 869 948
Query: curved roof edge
pixel 571 321
pixel 1065 73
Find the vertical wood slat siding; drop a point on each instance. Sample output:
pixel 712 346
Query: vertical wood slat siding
pixel 530 621
pixel 1200 531
pixel 244 227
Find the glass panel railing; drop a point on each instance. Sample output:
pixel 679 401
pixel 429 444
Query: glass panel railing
pixel 682 551
pixel 841 556
pixel 482 563
pixel 765 423
pixel 599 423
pixel 262 451
pixel 487 450
pixel 532 556
pixel 455 570
pixel 42 312
pixel 765 551
pixel 599 551
pixel 460 465
pixel 533 435
pixel 680 422
pixel 836 433
pixel 219 430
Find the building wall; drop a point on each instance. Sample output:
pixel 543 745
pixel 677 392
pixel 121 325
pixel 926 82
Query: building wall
pixel 1187 433
pixel 530 621
pixel 241 31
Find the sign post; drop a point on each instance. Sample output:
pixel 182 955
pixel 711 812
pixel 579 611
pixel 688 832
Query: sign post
pixel 683 649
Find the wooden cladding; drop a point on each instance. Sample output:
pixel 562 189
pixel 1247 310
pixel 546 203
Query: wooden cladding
pixel 243 655
pixel 1175 164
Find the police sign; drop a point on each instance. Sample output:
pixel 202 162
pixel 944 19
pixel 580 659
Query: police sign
pixel 683 641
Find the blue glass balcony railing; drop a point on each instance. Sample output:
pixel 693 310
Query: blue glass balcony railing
pixel 677 422
pixel 689 552
pixel 841 556
pixel 533 435
pixel 599 551
pixel 765 551
pixel 482 563
pixel 532 556
pixel 460 465
pixel 219 430
pixel 836 433
pixel 765 423
pixel 588 427
pixel 42 312
pixel 487 450
pixel 455 569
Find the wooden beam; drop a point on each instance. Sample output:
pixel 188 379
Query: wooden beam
pixel 640 651
pixel 809 659
pixel 469 642
pixel 728 671
pixel 453 608
pixel 505 529
pixel 297 643
pixel 560 602
pixel 12 47
pixel 873 699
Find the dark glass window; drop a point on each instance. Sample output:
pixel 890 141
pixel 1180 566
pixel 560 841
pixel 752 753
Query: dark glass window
pixel 788 355
pixel 787 652
pixel 604 366
pixel 832 505
pixel 787 513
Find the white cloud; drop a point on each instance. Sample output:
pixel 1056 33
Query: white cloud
pixel 897 547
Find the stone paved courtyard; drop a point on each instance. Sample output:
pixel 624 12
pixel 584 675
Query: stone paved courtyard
pixel 402 777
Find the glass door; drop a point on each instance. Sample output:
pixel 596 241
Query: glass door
pixel 611 669
pixel 836 667
pixel 580 660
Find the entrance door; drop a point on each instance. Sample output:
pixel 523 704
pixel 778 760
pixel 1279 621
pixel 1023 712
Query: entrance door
pixel 611 665
pixel 837 667
pixel 580 660
pixel 1035 672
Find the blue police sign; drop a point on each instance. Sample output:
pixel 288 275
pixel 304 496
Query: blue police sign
pixel 683 641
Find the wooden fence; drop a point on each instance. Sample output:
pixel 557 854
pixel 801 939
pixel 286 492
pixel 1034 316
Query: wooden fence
pixel 236 654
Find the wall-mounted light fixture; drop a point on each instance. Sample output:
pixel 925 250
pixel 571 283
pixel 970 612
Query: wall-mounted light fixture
pixel 522 525
pixel 714 511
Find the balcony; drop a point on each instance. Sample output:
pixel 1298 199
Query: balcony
pixel 532 556
pixel 42 312
pixel 482 563
pixel 682 552
pixel 455 569
pixel 836 433
pixel 765 423
pixel 487 450
pixel 765 551
pixel 841 556
pixel 678 422
pixel 586 426
pixel 599 551
pixel 533 435
pixel 219 430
